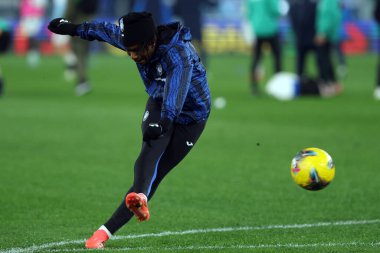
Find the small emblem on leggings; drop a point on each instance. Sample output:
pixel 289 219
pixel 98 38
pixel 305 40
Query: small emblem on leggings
pixel 146 115
pixel 189 143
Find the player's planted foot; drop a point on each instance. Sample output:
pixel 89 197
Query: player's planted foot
pixel 138 204
pixel 97 240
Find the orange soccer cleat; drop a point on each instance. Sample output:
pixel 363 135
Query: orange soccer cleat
pixel 97 240
pixel 138 204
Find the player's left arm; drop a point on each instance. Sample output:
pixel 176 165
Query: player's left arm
pixel 101 31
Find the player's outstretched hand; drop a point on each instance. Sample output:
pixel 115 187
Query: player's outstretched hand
pixel 63 26
pixel 155 130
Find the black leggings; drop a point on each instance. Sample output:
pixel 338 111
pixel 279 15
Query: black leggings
pixel 325 63
pixel 157 158
pixel 274 42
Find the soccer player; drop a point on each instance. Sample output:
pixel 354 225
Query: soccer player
pixel 264 17
pixel 176 111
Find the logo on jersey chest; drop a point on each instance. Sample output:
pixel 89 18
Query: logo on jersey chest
pixel 146 115
pixel 159 73
pixel 159 69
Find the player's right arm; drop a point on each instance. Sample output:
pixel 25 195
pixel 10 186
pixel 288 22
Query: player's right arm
pixel 101 31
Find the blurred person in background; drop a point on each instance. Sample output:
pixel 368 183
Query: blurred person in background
pixel 62 43
pixel 341 66
pixel 5 42
pixel 302 16
pixel 9 10
pixel 328 23
pixel 177 109
pixel 32 13
pixel 264 18
pixel 77 12
pixel 376 16
pixel 191 15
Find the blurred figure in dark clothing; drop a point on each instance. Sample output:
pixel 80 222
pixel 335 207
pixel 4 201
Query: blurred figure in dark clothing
pixel 316 24
pixel 341 68
pixel 302 15
pixel 5 43
pixel 264 17
pixel 8 11
pixel 328 23
pixel 376 16
pixel 79 11
pixel 191 14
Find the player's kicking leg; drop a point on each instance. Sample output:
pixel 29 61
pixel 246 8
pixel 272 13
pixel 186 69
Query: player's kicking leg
pixel 135 204
pixel 138 204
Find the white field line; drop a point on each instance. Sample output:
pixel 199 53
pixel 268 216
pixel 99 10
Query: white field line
pixel 47 246
pixel 234 247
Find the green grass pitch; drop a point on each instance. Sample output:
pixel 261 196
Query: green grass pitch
pixel 66 163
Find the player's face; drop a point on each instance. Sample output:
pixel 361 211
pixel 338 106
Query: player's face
pixel 141 54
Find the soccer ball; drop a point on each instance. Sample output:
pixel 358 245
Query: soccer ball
pixel 312 169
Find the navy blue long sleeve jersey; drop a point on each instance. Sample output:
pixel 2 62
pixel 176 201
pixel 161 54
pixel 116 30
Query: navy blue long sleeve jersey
pixel 174 76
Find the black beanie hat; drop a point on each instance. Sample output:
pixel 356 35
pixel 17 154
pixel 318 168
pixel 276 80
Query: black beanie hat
pixel 137 28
